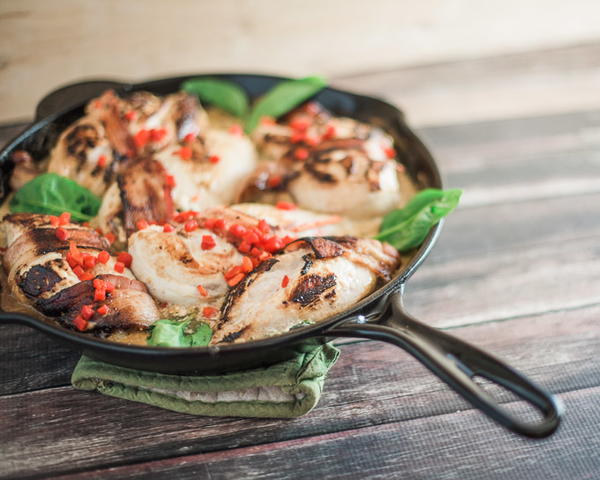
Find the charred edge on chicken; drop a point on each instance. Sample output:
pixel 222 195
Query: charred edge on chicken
pixel 241 287
pixel 309 289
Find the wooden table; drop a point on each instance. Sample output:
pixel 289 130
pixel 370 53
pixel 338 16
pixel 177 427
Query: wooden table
pixel 516 271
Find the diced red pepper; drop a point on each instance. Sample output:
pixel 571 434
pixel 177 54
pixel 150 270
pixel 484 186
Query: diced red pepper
pixel 209 312
pixel 297 137
pixel 300 124
pixel 54 221
pixel 141 138
pixel 104 257
pixel 214 159
pixel 125 258
pixel 98 283
pixel 244 247
pixel 185 153
pixel 273 244
pixel 286 205
pixel 86 276
pixel 237 230
pixel 274 181
pixel 170 181
pixel 102 161
pixel 232 282
pixel 110 287
pixel 87 312
pixel 64 218
pixel 62 234
pixel 301 153
pixel 202 291
pixel 78 271
pixel 168 228
pixel 389 152
pixel 80 323
pixel 220 224
pixel 330 132
pixel 102 310
pixel 251 237
pixel 190 225
pixel 157 134
pixel 99 295
pixel 119 267
pixel 141 224
pixel 232 272
pixel 208 242
pixel 285 281
pixel 264 227
pixel 130 115
pixel 189 138
pixel 110 237
pixel 236 129
pixel 247 264
pixel 209 223
pixel 89 262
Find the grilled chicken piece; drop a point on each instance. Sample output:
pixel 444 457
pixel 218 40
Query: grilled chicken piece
pixel 145 193
pixel 84 153
pixel 327 164
pixel 336 176
pixel 214 174
pixel 311 280
pixel 298 222
pixel 146 123
pixel 35 260
pixel 129 305
pixel 173 264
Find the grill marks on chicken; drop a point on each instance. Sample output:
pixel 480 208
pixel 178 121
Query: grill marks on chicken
pixel 38 273
pixel 324 277
pixel 326 164
pixel 130 307
pixel 145 193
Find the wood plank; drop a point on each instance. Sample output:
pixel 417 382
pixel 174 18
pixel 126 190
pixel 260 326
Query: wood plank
pixel 537 82
pixel 372 384
pixel 74 40
pixel 466 447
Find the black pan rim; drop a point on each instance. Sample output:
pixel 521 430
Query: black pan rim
pixel 292 337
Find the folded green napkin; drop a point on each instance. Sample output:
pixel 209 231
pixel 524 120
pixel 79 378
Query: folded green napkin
pixel 284 390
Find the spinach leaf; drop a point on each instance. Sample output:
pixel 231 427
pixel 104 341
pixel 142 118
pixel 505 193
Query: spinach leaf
pixel 52 194
pixel 406 228
pixel 284 97
pixel 172 333
pixel 220 93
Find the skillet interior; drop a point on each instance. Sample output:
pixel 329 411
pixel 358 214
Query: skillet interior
pixel 41 136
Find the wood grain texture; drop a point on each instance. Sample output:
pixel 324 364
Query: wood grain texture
pixel 467 448
pixel 47 44
pixel 372 384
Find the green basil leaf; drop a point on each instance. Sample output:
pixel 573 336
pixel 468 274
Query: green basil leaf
pixel 172 333
pixel 52 194
pixel 406 228
pixel 284 97
pixel 220 93
pixel 201 337
pixel 169 333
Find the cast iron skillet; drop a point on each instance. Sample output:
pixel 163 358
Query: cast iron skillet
pixel 380 316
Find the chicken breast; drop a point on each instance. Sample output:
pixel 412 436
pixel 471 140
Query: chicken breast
pixel 327 164
pixel 41 267
pixel 173 264
pixel 215 172
pixel 311 280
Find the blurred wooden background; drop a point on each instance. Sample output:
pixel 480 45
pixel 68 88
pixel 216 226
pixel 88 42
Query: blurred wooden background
pixel 44 44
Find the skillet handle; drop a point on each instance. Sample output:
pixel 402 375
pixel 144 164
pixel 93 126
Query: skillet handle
pixel 456 363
